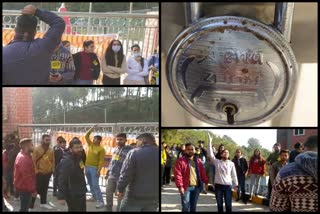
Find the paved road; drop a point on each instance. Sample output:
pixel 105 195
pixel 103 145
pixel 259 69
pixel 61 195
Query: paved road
pixel 170 202
pixel 15 205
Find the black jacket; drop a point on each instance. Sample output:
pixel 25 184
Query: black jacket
pixel 95 65
pixel 242 168
pixel 71 179
pixel 140 173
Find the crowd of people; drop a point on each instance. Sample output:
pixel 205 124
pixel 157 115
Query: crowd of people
pixel 132 173
pixel 49 60
pixel 290 175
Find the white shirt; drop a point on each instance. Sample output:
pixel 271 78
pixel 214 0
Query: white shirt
pixel 135 70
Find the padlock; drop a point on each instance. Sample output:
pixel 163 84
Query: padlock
pixel 233 71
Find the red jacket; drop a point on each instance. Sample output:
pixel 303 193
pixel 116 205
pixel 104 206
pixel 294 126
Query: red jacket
pixel 256 166
pixel 24 173
pixel 182 172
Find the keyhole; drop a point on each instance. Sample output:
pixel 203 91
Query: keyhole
pixel 230 110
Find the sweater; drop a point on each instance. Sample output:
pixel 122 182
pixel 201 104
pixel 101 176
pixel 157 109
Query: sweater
pixel 28 63
pixel 112 71
pixel 296 186
pixel 45 164
pixel 135 71
pixel 95 154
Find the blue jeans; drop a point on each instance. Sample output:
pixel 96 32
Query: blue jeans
pixel 223 191
pixel 241 181
pixel 93 181
pixel 83 82
pixel 138 205
pixel 25 201
pixel 189 199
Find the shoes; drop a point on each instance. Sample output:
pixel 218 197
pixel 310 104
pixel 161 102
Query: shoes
pixel 99 205
pixel 30 210
pixel 46 206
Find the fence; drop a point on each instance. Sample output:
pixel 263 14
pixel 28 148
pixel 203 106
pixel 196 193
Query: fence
pixel 106 130
pixel 131 28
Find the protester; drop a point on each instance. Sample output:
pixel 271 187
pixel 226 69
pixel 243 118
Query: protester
pixel 206 164
pixel 87 64
pixel 5 168
pixel 153 65
pixel 168 165
pixel 189 177
pixel 163 161
pixel 113 63
pixel 11 155
pixel 140 175
pixel 24 174
pixel 27 60
pixel 137 68
pixel 256 171
pixel 72 185
pixel 58 150
pixel 273 157
pixel 94 164
pixel 241 166
pixel 298 149
pixel 276 166
pixel 62 66
pixel 225 178
pixel 117 160
pixel 296 186
pixel 44 162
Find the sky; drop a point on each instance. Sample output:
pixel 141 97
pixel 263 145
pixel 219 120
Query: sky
pixel 267 137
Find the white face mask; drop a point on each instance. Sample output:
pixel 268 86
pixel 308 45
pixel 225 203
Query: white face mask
pixel 116 48
pixel 138 54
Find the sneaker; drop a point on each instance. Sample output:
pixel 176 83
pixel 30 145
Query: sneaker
pixel 100 205
pixel 46 206
pixel 31 210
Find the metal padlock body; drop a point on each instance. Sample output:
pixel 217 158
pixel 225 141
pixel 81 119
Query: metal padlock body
pixel 235 60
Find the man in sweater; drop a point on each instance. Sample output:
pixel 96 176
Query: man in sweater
pixel 94 163
pixel 139 177
pixel 24 174
pixel 225 178
pixel 296 186
pixel 58 153
pixel 118 157
pixel 190 177
pixel 273 157
pixel 27 60
pixel 44 162
pixel 275 168
pixel 241 168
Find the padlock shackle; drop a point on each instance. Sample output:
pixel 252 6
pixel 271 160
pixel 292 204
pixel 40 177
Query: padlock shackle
pixel 193 12
pixel 283 16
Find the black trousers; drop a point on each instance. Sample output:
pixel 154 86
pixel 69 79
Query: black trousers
pixel 162 174
pixel 77 203
pixel 42 183
pixel 167 173
pixel 269 189
pixel 110 81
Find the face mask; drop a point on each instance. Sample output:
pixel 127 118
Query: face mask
pixel 116 48
pixel 136 54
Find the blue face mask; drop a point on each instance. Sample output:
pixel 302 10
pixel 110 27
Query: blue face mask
pixel 138 54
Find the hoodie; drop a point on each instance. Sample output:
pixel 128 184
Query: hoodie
pixel 296 187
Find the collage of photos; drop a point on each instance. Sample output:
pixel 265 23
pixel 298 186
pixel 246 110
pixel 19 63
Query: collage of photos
pixel 88 124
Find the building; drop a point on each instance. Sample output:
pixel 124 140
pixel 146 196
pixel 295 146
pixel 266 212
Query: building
pixel 16 108
pixel 288 137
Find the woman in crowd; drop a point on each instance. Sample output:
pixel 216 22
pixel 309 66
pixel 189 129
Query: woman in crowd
pixel 137 68
pixel 87 64
pixel 113 63
pixel 256 171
